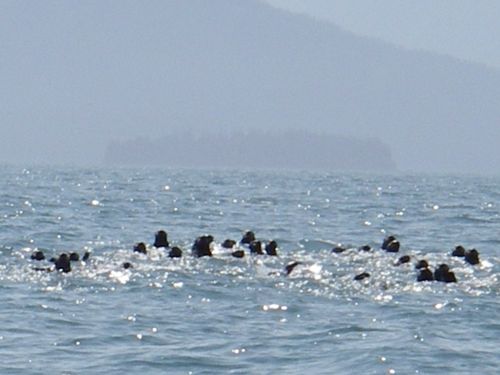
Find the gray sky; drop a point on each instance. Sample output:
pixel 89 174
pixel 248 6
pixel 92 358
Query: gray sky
pixel 467 29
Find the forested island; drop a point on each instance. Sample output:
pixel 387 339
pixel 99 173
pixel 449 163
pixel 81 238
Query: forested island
pixel 254 149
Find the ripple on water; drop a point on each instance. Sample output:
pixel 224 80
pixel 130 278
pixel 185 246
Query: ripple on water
pixel 244 315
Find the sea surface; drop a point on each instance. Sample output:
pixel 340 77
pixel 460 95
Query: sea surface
pixel 223 315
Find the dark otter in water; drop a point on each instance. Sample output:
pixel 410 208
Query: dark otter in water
pixel 38 255
pixel 86 256
pixel 201 246
pixel 425 275
pixel 228 244
pixel 238 254
pixel 390 244
pixel 338 249
pixel 444 274
pixel 127 265
pixel 386 241
pixel 161 239
pixel 362 276
pixel 402 260
pixel 472 257
pixel 256 248
pixel 422 264
pixel 271 248
pixel 63 263
pixel 290 266
pixel 74 257
pixel 175 252
pixel 459 251
pixel 365 248
pixel 140 248
pixel 248 237
pixel 393 246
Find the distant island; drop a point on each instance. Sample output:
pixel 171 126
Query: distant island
pixel 254 149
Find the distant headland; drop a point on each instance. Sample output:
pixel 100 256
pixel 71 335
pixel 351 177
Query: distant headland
pixel 254 149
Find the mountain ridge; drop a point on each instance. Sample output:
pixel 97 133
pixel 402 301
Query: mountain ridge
pixel 101 73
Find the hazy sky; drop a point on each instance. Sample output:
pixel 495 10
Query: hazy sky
pixel 467 29
pixel 77 75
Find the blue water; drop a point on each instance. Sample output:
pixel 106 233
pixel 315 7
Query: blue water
pixel 240 316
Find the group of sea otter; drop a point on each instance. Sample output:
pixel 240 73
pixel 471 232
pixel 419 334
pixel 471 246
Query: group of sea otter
pixel 62 263
pixel 441 273
pixel 202 247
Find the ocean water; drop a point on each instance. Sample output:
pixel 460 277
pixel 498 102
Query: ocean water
pixel 245 316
